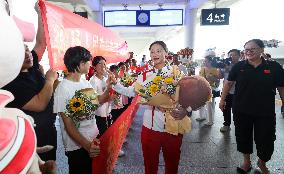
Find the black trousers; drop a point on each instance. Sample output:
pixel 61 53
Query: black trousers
pixel 47 135
pixel 103 123
pixel 79 162
pixel 115 113
pixel 227 113
pixel 261 128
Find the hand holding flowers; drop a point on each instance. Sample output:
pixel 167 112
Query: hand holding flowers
pixel 81 105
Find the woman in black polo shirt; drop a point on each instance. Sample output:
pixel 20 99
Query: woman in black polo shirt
pixel 256 80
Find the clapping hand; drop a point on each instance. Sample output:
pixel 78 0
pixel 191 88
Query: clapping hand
pixel 111 77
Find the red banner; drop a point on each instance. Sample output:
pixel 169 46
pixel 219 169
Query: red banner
pixel 111 141
pixel 64 29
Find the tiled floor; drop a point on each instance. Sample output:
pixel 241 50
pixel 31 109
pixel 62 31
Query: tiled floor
pixel 204 150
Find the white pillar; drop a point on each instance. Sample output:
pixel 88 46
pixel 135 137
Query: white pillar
pixel 98 16
pixel 190 25
pixel 97 11
pixel 191 21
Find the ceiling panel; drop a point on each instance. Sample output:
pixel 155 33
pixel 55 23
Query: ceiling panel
pixel 137 2
pixel 69 1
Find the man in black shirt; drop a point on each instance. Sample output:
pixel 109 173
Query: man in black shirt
pixel 33 94
pixel 256 80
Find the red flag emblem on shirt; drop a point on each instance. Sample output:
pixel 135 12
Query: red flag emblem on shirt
pixel 266 71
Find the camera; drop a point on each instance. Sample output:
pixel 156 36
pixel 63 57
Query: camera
pixel 217 62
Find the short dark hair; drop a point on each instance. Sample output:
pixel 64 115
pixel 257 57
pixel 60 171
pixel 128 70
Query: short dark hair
pixel 74 56
pixel 97 59
pixel 162 43
pixel 120 64
pixel 257 42
pixel 113 68
pixel 235 50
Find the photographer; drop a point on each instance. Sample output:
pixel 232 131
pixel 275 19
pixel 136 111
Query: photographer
pixel 234 56
pixel 213 75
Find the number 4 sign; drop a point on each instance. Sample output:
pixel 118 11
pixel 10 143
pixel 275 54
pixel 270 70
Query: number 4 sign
pixel 216 16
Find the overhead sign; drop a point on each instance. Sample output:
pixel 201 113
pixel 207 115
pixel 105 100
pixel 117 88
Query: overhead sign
pixel 151 18
pixel 215 16
pixel 166 17
pixel 143 18
pixel 120 18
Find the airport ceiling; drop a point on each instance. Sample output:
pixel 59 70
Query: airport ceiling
pixel 138 38
pixel 142 2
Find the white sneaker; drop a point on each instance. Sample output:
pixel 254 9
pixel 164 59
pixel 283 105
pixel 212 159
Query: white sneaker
pixel 121 153
pixel 225 129
pixel 200 119
pixel 209 124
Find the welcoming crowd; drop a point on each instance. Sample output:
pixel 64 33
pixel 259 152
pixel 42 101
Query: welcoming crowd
pixel 249 90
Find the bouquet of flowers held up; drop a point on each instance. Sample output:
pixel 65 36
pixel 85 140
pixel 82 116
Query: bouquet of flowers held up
pixel 161 90
pixel 127 80
pixel 81 105
pixel 185 53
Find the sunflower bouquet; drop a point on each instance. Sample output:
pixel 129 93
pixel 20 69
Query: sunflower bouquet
pixel 127 80
pixel 160 91
pixel 81 105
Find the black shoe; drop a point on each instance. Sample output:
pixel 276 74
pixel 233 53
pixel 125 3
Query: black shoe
pixel 240 170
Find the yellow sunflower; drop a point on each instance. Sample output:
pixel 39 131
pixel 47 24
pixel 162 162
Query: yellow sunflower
pixel 128 81
pixel 153 88
pixel 76 105
pixel 169 80
pixel 157 79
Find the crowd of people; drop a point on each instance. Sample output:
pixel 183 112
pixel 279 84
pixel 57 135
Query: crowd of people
pixel 250 83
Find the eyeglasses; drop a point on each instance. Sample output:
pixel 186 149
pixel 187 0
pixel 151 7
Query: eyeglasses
pixel 250 50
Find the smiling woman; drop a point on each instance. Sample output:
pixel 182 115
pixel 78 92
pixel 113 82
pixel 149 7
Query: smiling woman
pixel 256 80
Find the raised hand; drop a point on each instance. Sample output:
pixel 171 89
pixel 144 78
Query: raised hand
pixel 111 77
pixel 51 75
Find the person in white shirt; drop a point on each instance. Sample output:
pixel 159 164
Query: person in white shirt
pixel 153 135
pixel 98 81
pixel 116 104
pixel 80 143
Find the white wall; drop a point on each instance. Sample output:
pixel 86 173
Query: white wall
pixel 249 19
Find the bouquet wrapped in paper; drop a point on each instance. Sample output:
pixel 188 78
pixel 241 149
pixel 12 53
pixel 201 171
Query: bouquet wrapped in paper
pixel 162 91
pixel 167 90
pixel 81 105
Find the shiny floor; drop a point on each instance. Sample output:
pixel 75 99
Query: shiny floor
pixel 205 150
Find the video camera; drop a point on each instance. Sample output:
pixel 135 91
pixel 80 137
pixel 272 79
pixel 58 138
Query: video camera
pixel 217 62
